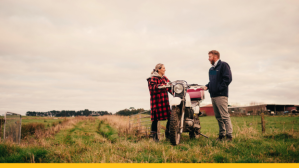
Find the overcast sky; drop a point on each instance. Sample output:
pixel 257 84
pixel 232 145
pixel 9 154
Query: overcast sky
pixel 97 54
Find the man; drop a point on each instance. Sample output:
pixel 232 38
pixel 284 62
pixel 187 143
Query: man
pixel 220 77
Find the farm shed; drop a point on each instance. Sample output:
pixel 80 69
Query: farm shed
pixel 208 109
pixel 280 108
pixel 257 109
pixel 253 110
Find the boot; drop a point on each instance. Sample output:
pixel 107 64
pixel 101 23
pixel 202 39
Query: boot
pixel 167 136
pixel 220 138
pixel 229 138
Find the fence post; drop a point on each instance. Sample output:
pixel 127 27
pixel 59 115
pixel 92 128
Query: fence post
pixel 0 128
pixel 129 124
pixel 139 123
pixel 145 131
pixel 263 123
pixel 4 127
pixel 158 130
pixel 20 134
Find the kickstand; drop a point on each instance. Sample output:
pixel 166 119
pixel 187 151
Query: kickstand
pixel 203 135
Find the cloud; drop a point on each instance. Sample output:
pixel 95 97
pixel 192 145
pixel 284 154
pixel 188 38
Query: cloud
pixel 97 55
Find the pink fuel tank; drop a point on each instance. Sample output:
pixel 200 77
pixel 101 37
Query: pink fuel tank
pixel 196 94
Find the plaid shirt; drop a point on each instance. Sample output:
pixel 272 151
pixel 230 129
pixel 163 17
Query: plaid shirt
pixel 160 109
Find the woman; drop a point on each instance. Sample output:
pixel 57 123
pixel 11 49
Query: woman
pixel 160 109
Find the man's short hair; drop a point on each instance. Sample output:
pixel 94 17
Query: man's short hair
pixel 215 52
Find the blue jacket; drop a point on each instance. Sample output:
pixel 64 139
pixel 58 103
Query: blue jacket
pixel 220 78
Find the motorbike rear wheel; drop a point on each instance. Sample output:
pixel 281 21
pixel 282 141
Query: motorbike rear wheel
pixel 174 127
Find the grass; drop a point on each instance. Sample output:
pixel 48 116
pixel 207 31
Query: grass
pixel 47 121
pixel 107 131
pixel 15 154
pixel 30 129
pixel 108 139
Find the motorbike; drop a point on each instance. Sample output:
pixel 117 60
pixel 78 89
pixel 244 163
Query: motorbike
pixel 185 110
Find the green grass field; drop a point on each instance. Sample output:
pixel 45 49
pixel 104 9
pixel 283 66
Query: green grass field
pixel 47 121
pixel 273 123
pixel 102 140
pixel 43 120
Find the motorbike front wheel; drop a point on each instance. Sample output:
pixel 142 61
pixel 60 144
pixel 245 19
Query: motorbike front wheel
pixel 174 127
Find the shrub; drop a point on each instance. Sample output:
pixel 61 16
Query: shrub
pixel 54 124
pixel 1 121
pixel 220 159
pixel 1 126
pixel 15 154
pixel 30 129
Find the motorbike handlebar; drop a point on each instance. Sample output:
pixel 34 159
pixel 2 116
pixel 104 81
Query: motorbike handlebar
pixel 169 85
pixel 201 86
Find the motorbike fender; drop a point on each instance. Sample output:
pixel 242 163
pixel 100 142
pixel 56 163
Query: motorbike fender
pixel 175 101
pixel 196 109
pixel 188 100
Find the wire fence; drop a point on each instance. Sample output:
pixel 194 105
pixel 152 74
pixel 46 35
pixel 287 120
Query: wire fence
pixel 267 123
pixel 12 127
pixel 1 127
pixel 140 125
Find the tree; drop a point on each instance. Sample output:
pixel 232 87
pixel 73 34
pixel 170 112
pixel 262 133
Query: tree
pixel 128 112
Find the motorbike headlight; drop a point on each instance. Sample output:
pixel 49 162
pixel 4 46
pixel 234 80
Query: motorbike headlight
pixel 178 88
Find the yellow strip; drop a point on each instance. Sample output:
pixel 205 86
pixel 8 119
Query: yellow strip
pixel 148 165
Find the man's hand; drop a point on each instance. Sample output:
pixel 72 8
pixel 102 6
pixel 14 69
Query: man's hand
pixel 205 88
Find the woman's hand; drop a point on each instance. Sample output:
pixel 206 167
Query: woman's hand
pixel 162 85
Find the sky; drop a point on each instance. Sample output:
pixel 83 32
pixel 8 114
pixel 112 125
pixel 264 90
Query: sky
pixel 97 54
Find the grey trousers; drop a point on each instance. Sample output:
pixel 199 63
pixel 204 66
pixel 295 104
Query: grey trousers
pixel 220 106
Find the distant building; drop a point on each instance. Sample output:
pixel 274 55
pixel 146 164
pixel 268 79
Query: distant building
pixel 252 110
pixel 266 108
pixel 208 110
pixel 278 109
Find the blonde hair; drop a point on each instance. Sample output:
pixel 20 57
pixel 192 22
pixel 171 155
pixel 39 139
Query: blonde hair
pixel 158 66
